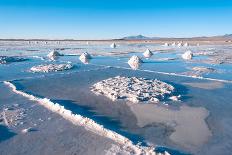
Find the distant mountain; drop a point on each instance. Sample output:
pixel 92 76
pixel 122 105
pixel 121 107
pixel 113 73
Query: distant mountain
pixel 138 37
pixel 141 37
pixel 228 36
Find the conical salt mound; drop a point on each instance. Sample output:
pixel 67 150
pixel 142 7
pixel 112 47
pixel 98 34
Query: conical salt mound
pixel 113 45
pixel 53 55
pixel 186 44
pixel 180 44
pixel 166 44
pixel 135 62
pixel 174 44
pixel 147 53
pixel 85 57
pixel 187 55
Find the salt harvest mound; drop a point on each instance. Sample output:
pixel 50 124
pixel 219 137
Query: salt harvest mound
pixel 113 45
pixel 174 44
pixel 53 55
pixel 166 44
pixel 134 89
pixel 6 59
pixel 135 62
pixel 51 68
pixel 186 44
pixel 187 55
pixel 84 58
pixel 147 53
pixel 180 44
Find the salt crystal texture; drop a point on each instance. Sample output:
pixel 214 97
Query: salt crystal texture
pixel 135 62
pixel 84 58
pixel 187 55
pixel 147 53
pixel 133 89
pixel 51 67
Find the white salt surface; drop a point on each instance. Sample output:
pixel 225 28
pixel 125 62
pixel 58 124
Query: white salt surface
pixel 147 53
pixel 187 55
pixel 133 89
pixel 84 58
pixel 89 124
pixel 51 67
pixel 135 62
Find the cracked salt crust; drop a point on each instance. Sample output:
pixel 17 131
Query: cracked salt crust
pixel 51 67
pixel 134 89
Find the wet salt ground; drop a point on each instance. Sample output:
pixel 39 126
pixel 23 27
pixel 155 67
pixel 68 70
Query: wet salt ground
pixel 216 101
pixel 76 87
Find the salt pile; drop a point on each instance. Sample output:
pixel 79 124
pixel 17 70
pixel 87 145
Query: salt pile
pixel 187 55
pixel 135 62
pixel 166 44
pixel 6 59
pixel 134 89
pixel 186 44
pixel 147 53
pixel 27 130
pixel 113 45
pixel 84 58
pixel 180 44
pixel 51 68
pixel 174 44
pixel 54 55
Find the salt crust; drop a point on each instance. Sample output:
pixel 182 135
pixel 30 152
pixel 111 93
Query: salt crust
pixel 134 89
pixel 51 68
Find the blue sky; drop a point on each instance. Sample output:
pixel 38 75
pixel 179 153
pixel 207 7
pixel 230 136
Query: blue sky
pixel 104 19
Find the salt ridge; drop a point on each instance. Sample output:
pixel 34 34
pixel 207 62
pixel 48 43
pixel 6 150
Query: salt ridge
pixel 88 123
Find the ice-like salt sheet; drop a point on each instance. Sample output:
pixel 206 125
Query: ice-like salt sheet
pixel 198 71
pixel 84 58
pixel 147 53
pixel 133 89
pixel 187 55
pixel 87 123
pixel 6 59
pixel 211 85
pixel 135 62
pixel 51 68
